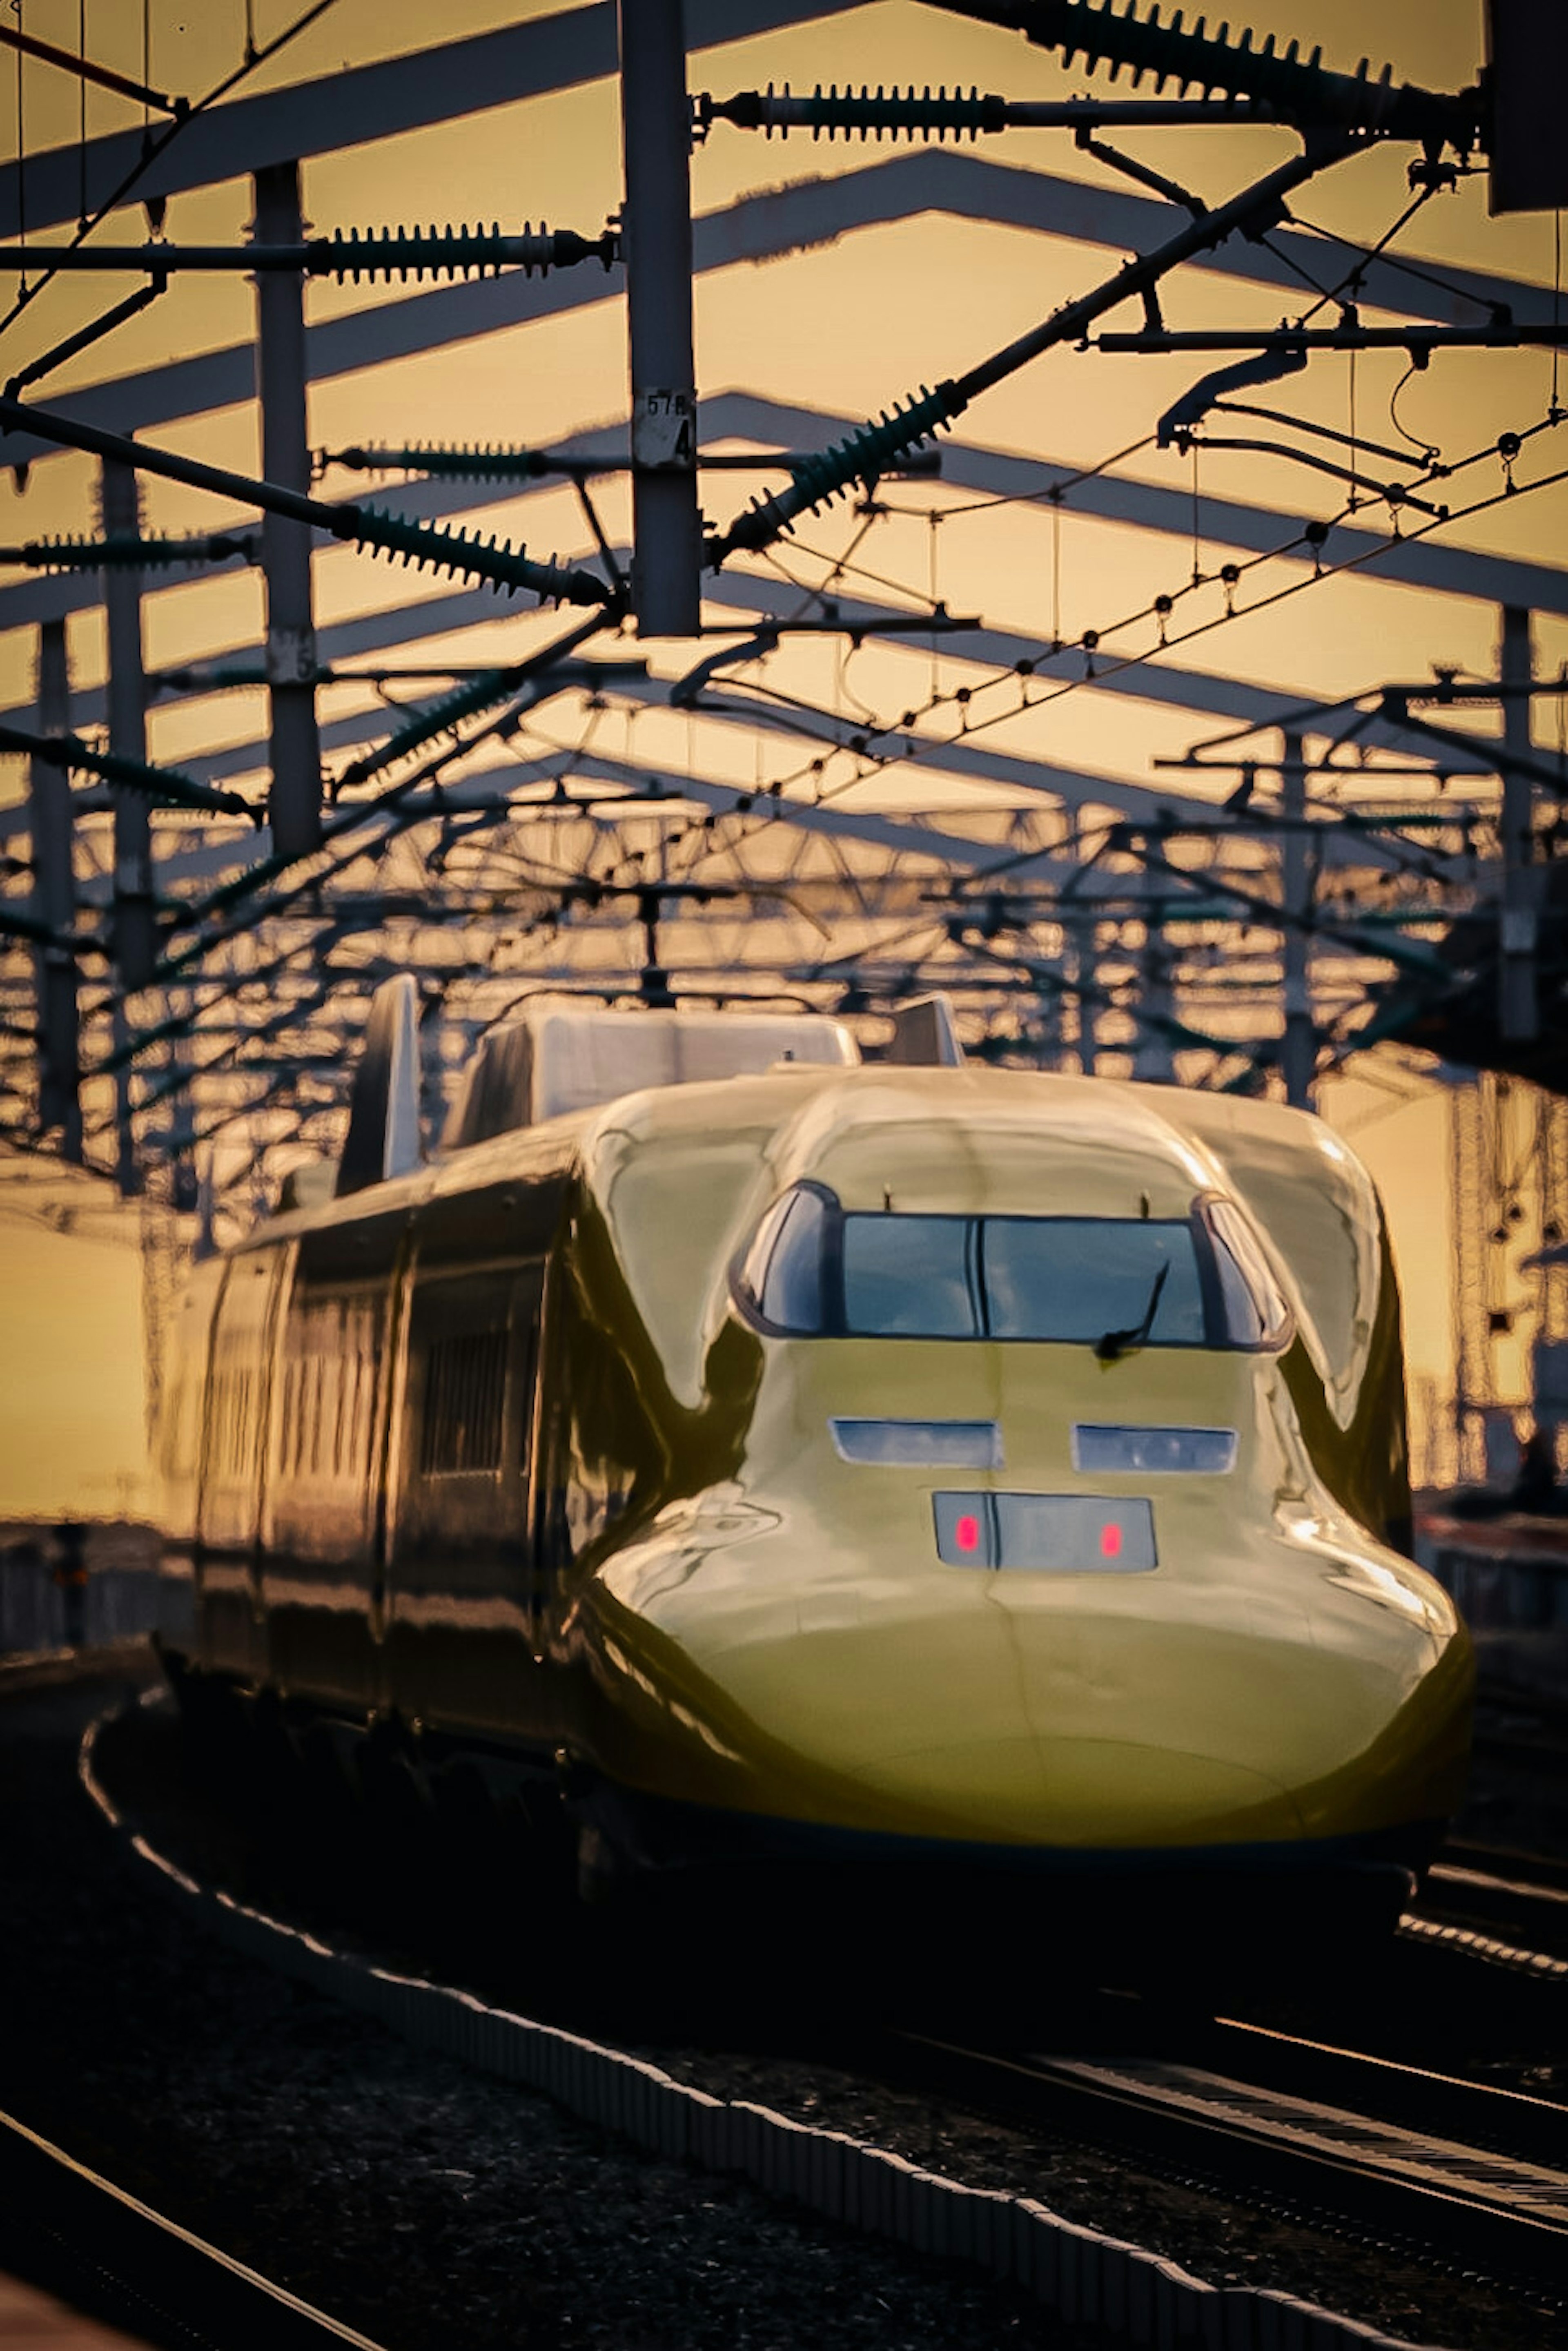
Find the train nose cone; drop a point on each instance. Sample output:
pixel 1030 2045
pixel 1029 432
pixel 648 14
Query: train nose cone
pixel 1079 1792
pixel 955 1720
pixel 1343 1698
pixel 1111 1714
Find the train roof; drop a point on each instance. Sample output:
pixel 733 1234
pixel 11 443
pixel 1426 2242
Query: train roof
pixel 682 1174
pixel 675 1176
pixel 968 1139
pixel 979 1138
pixel 555 1056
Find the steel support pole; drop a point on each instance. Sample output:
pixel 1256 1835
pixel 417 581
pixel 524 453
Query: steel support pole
pixel 1083 935
pixel 120 509
pixel 180 1139
pixel 655 140
pixel 53 902
pixel 1298 1046
pixel 1517 1009
pixel 295 804
pixel 1154 1056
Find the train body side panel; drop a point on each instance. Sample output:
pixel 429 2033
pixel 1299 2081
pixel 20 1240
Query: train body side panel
pixel 322 1521
pixel 1318 1209
pixel 177 1456
pixel 460 1647
pixel 233 1629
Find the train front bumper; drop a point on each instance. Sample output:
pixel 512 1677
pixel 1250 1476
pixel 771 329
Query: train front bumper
pixel 1275 1705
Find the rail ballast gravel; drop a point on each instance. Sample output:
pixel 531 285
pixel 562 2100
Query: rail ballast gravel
pixel 1082 2275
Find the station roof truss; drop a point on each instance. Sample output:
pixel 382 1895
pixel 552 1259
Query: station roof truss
pixel 557 806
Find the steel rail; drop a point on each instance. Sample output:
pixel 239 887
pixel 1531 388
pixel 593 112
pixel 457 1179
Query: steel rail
pixel 1536 1873
pixel 72 2232
pixel 1506 2211
pixel 1501 1889
pixel 1499 2120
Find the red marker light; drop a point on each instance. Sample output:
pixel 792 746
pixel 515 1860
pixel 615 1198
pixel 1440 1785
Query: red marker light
pixel 1110 1541
pixel 966 1534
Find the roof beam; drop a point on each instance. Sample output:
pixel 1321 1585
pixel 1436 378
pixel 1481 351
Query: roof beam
pixel 1425 563
pixel 373 102
pixel 798 218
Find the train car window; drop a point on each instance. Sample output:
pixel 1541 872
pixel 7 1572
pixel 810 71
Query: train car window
pixel 785 1267
pixel 913 1277
pixel 464 1424
pixel 1078 1278
pixel 1256 1313
pixel 1194 1281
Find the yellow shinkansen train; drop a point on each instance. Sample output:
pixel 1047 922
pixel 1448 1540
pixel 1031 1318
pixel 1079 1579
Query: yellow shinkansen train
pixel 907 1476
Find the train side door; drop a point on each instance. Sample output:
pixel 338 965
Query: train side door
pixel 457 1644
pixel 234 1462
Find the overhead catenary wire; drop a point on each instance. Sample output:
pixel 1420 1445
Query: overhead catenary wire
pixel 910 749
pixel 151 147
pixel 87 70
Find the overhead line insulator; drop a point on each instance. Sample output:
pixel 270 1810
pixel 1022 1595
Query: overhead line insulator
pixel 942 114
pixel 832 113
pixel 439 717
pixel 119 553
pixel 426 544
pixel 421 543
pixel 347 254
pixel 1299 90
pixel 69 751
pixel 480 464
pixel 860 457
pixel 352 254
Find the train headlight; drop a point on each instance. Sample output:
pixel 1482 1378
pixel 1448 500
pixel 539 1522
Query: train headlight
pixel 1097 1447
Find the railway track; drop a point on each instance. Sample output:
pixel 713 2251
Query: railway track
pixel 1446 2173
pixel 878 2184
pixel 105 2252
pixel 1524 1894
pixel 1445 2167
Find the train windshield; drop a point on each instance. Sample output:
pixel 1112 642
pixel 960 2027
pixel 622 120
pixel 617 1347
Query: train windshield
pixel 1105 1282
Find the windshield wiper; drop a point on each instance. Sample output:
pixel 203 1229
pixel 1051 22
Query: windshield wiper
pixel 1116 1342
